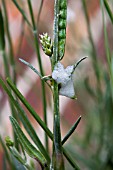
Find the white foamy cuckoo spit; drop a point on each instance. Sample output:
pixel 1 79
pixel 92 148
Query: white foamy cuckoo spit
pixel 63 76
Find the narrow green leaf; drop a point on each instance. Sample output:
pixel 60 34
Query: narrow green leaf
pixel 29 128
pixel 4 21
pixel 17 164
pixel 108 10
pixel 16 154
pixel 2 45
pixel 2 34
pixel 35 31
pixel 107 48
pixel 30 149
pixel 71 160
pixel 29 107
pixel 93 51
pixel 35 70
pixel 37 118
pixel 10 51
pixel 106 41
pixel 71 130
pixel 78 62
pixel 31 67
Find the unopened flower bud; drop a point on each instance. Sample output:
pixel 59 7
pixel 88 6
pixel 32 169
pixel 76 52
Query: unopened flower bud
pixel 8 141
pixel 47 44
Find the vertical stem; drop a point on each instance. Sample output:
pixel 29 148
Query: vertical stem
pixel 109 11
pixel 7 71
pixel 109 85
pixel 11 53
pixel 107 49
pixel 41 68
pixel 13 111
pixel 94 53
pixel 6 66
pixel 58 163
pixel 97 73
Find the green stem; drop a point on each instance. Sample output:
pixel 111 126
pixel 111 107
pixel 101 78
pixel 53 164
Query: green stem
pixel 71 130
pixel 6 65
pixel 11 53
pixel 58 163
pixel 97 73
pixel 69 158
pixel 36 117
pixel 94 53
pixel 17 155
pixel 25 121
pixel 108 10
pixel 41 69
pixel 107 51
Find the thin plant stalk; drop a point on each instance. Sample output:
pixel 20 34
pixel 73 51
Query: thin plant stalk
pixel 57 162
pixel 94 53
pixel 97 73
pixel 11 53
pixel 110 84
pixel 110 13
pixel 25 121
pixel 6 68
pixel 71 130
pixel 34 29
pixel 108 53
pixel 37 118
pixel 41 68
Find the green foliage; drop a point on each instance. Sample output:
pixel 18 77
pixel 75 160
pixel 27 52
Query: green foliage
pixel 110 13
pixel 29 148
pixel 94 150
pixel 2 35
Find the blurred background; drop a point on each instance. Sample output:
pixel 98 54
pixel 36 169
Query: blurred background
pixel 91 145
